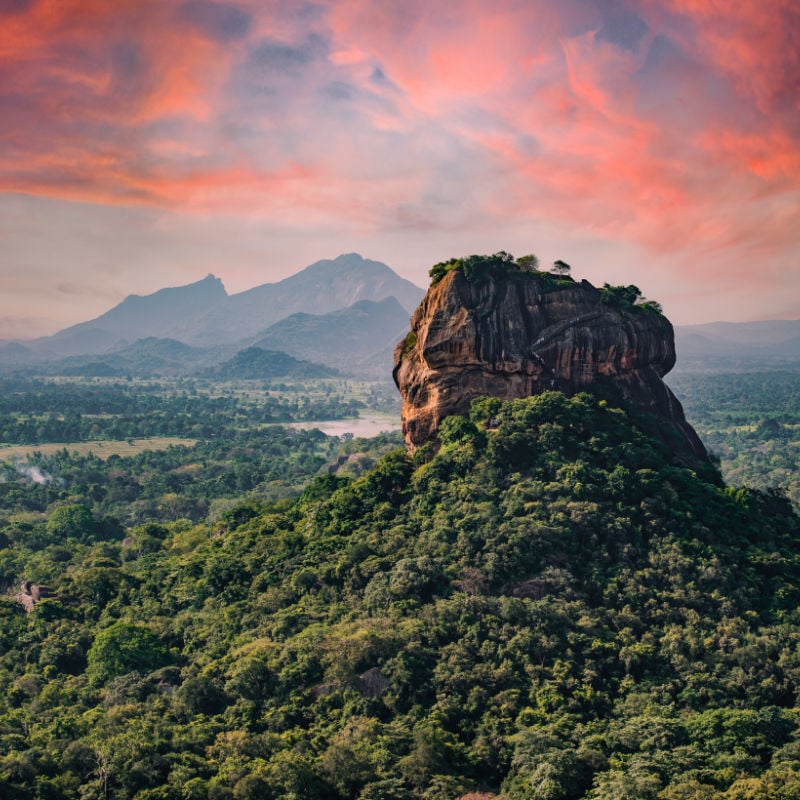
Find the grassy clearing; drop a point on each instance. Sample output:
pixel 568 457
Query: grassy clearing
pixel 101 448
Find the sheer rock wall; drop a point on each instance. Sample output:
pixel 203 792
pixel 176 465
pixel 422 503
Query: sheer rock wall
pixel 516 336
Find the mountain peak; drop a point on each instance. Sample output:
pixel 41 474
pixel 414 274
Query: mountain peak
pixel 209 289
pixel 140 316
pixel 211 281
pixel 347 262
pixel 202 313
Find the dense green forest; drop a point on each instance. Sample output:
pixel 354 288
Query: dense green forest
pixel 180 482
pixel 750 422
pixel 549 610
pixel 240 452
pixel 38 411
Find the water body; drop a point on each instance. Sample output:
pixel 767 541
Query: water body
pixel 365 425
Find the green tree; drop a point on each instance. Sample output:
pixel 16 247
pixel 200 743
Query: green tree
pixel 624 297
pixel 528 263
pixel 458 430
pixel 122 648
pixel 74 521
pixel 560 267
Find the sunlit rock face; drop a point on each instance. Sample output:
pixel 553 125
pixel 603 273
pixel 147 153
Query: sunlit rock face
pixel 516 335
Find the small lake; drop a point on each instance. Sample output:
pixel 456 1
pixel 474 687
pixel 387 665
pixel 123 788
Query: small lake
pixel 365 425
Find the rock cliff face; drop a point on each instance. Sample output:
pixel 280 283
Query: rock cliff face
pixel 516 335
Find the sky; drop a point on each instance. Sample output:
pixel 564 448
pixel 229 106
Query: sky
pixel 147 143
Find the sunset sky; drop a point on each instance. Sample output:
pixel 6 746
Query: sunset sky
pixel 146 143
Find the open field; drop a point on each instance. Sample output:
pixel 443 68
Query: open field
pixel 101 448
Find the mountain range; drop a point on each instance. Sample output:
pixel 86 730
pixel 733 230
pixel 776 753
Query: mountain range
pixel 345 313
pixel 325 286
pixel 204 314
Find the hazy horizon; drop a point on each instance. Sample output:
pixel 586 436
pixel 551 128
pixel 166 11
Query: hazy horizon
pixel 146 145
pixel 247 288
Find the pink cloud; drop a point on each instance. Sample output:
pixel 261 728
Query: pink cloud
pixel 607 153
pixel 672 125
pixel 756 43
pixel 84 80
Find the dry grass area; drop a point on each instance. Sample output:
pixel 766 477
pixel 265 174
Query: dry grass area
pixel 100 448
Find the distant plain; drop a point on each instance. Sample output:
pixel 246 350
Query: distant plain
pixel 101 448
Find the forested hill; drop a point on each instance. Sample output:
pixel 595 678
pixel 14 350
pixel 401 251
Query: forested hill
pixel 550 609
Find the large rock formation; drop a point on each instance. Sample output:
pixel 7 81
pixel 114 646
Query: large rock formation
pixel 516 334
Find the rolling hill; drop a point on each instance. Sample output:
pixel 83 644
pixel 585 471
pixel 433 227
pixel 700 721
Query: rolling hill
pixel 255 363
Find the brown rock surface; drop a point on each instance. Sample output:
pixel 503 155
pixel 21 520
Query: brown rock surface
pixel 515 335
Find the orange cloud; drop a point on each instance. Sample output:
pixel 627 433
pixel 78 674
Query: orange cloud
pixel 755 41
pixel 85 79
pixel 658 123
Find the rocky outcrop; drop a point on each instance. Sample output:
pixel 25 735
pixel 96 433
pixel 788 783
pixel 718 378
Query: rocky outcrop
pixel 31 593
pixel 520 334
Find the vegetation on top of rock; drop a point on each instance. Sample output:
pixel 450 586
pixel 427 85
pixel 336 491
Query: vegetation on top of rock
pixel 561 267
pixel 478 268
pixel 628 298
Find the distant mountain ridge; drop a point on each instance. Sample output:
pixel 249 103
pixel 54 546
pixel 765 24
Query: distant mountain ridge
pixel 204 314
pixel 151 356
pixel 734 346
pixel 137 317
pixel 320 288
pixel 755 333
pixel 148 357
pixel 357 338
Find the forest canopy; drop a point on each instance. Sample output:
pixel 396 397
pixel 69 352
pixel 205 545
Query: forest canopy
pixel 549 608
